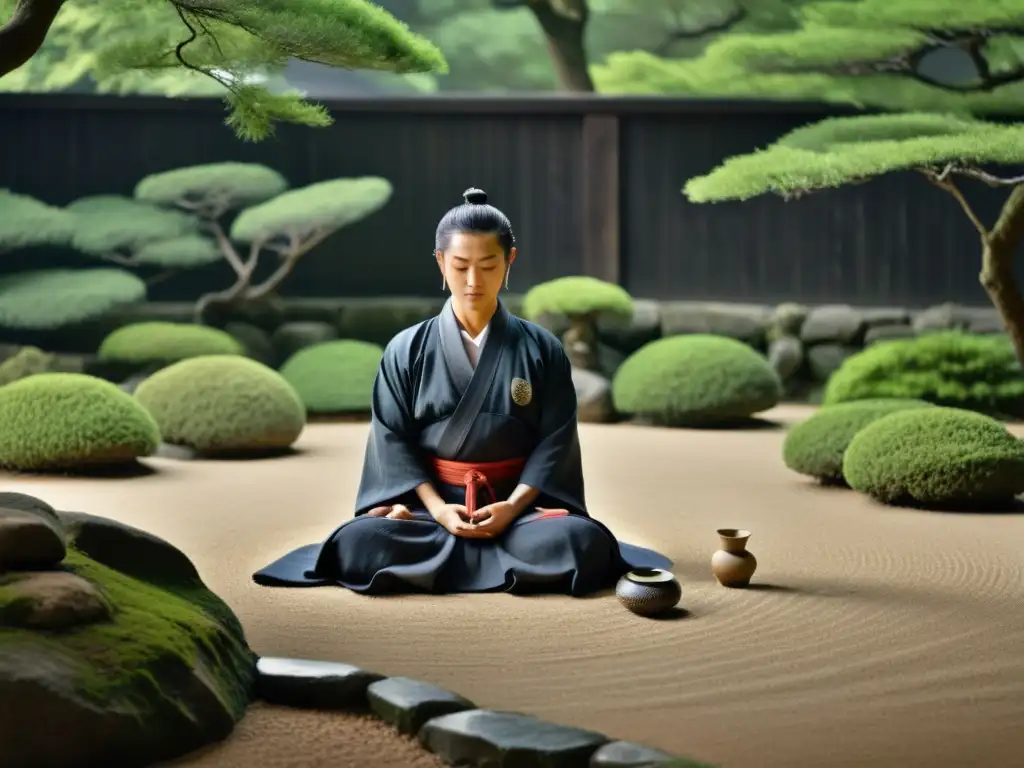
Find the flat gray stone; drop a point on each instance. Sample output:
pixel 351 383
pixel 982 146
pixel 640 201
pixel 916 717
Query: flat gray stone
pixel 885 316
pixel 833 323
pixel 310 684
pixel 593 396
pixel 627 754
pixel 745 322
pixel 643 327
pixel 407 704
pixel 786 355
pixel 480 737
pixel 30 538
pixel 887 333
pixel 825 359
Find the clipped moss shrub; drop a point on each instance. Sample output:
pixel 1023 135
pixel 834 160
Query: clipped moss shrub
pixel 66 421
pixel 577 296
pixel 27 361
pixel 695 380
pixel 955 369
pixel 223 404
pixel 162 343
pixel 334 377
pixel 939 457
pixel 815 447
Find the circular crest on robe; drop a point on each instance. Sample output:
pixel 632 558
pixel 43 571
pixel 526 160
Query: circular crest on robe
pixel 522 392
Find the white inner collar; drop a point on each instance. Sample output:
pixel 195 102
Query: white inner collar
pixel 478 340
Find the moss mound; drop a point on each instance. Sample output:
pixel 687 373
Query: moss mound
pixel 64 421
pixel 815 447
pixel 27 361
pixel 163 343
pixel 577 296
pixel 334 377
pixel 938 457
pixel 223 404
pixel 695 380
pixel 955 369
pixel 166 671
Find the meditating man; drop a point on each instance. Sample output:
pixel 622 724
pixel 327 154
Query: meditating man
pixel 472 479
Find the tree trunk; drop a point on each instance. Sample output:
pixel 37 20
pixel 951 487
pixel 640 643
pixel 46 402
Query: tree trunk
pixel 565 38
pixel 999 248
pixel 25 32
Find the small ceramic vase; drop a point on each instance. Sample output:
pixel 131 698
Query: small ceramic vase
pixel 732 564
pixel 649 591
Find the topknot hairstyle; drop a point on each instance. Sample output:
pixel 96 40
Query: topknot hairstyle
pixel 476 217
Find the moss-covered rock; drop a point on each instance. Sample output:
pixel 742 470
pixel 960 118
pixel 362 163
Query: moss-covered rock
pixel 27 361
pixel 695 380
pixel 955 369
pixel 68 421
pixel 937 457
pixel 223 404
pixel 142 671
pixel 577 295
pixel 815 447
pixel 335 377
pixel 161 343
pixel 294 337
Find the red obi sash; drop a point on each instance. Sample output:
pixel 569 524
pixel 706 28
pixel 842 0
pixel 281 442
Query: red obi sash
pixel 476 476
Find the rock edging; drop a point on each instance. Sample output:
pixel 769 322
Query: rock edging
pixel 447 724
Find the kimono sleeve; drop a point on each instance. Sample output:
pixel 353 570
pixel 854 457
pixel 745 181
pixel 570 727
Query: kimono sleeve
pixel 555 466
pixel 392 465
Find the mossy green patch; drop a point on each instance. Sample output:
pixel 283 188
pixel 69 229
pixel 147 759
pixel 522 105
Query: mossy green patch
pixel 815 447
pixel 334 376
pixel 694 380
pixel 156 629
pixel 577 295
pixel 223 404
pixel 161 342
pixel 71 420
pixel 936 456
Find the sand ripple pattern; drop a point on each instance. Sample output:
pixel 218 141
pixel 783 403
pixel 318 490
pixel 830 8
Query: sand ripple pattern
pixel 876 636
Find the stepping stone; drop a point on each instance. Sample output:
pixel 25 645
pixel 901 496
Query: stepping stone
pixel 407 704
pixel 481 737
pixel 627 754
pixel 312 684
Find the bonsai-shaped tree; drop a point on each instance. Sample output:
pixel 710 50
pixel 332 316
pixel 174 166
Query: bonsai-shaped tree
pixel 894 37
pixel 230 41
pixel 287 223
pixel 46 299
pixel 583 301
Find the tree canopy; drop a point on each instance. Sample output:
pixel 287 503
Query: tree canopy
pixel 925 55
pixel 26 222
pixel 845 150
pixel 212 189
pixel 53 298
pixel 229 42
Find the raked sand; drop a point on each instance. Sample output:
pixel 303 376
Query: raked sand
pixel 874 636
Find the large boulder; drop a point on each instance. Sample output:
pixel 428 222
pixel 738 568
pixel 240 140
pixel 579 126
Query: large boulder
pixel 143 669
pixel 593 397
pixel 695 380
pixel 936 457
pixel 71 421
pixel 224 405
pixel 833 324
pixel 745 322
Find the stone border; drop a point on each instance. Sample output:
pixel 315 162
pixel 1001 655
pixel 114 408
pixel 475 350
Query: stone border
pixel 447 724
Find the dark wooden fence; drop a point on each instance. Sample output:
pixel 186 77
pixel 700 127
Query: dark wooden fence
pixel 592 185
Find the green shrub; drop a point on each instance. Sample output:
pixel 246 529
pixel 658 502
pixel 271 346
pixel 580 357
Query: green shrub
pixel 577 296
pixel 955 369
pixel 936 456
pixel 694 380
pixel 161 343
pixel 334 376
pixel 27 361
pixel 46 299
pixel 223 404
pixel 54 421
pixel 815 447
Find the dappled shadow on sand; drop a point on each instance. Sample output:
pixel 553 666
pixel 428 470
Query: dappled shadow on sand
pixel 183 453
pixel 1004 507
pixel 749 424
pixel 120 471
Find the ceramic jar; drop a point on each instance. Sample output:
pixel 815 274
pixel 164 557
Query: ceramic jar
pixel 733 565
pixel 649 591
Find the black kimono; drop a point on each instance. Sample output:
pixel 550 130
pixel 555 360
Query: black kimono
pixel 428 401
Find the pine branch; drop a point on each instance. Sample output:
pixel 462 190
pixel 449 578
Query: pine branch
pixel 298 248
pixel 678 35
pixel 942 181
pixel 25 32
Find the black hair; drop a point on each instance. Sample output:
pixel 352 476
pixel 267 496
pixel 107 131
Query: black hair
pixel 475 216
